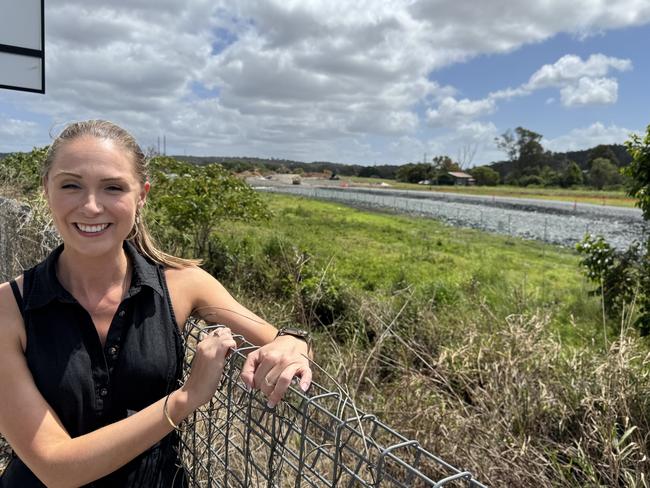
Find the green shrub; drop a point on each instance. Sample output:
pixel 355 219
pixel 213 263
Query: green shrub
pixel 617 274
pixel 190 202
pixel 21 172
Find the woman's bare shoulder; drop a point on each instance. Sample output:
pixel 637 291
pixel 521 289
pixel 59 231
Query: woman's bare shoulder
pixel 191 276
pixel 12 328
pixel 190 288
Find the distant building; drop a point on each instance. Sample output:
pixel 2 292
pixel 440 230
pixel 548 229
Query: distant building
pixel 460 178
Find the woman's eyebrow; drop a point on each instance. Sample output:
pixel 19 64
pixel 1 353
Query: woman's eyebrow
pixel 75 175
pixel 113 178
pixel 67 173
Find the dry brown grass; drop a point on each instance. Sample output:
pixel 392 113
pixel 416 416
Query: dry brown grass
pixel 511 403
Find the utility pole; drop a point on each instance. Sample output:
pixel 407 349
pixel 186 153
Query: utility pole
pixel 164 145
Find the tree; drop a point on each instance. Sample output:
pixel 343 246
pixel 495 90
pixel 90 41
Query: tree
pixel 602 151
pixel 639 171
pixel 442 166
pixel 415 172
pixel 524 150
pixel 466 154
pixel 485 176
pixel 189 202
pixel 523 143
pixel 506 142
pixel 549 177
pixel 572 175
pixel 603 173
pixel 531 152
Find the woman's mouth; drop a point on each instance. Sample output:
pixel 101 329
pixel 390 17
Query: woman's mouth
pixel 91 229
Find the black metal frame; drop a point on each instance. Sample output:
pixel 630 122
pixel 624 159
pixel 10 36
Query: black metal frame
pixel 311 440
pixel 34 53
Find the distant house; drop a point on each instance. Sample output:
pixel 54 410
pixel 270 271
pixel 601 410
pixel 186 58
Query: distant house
pixel 460 178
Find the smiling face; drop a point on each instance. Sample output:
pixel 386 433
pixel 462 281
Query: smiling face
pixel 93 192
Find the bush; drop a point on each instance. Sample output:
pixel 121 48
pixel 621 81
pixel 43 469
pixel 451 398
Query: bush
pixel 617 276
pixel 603 173
pixel 531 180
pixel 485 176
pixel 21 172
pixel 189 202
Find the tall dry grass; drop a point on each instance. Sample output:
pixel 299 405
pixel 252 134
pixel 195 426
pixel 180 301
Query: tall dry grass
pixel 505 399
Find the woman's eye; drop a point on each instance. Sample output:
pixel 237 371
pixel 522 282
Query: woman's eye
pixel 67 186
pixel 114 188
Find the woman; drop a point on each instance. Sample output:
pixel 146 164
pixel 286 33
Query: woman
pixel 90 345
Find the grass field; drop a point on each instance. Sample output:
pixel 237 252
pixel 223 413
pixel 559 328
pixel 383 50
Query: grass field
pixel 375 253
pixel 579 195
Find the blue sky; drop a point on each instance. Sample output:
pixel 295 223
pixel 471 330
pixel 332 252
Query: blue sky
pixel 478 77
pixel 365 82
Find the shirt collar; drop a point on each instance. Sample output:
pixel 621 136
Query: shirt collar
pixel 46 286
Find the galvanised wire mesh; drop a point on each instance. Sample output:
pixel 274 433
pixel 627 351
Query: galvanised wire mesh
pixel 317 439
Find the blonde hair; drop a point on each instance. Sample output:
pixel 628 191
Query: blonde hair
pixel 102 129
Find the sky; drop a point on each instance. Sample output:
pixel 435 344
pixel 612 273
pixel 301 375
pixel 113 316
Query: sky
pixel 356 82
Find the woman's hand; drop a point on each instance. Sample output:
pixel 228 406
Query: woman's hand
pixel 272 367
pixel 207 365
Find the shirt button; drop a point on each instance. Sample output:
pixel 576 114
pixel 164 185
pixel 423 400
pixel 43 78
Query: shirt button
pixel 103 392
pixel 122 313
pixel 112 351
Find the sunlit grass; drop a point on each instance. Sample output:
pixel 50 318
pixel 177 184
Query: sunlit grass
pixel 377 253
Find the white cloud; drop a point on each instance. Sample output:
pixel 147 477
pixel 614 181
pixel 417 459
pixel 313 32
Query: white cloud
pixel 580 82
pixel 452 112
pixel 590 91
pixel 22 133
pixel 587 137
pixel 304 79
pixel 571 68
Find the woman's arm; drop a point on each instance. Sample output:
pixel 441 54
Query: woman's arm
pixel 271 367
pixel 37 435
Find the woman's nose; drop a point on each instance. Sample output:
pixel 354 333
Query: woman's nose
pixel 92 204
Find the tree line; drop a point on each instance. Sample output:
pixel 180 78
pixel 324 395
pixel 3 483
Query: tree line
pixel 527 164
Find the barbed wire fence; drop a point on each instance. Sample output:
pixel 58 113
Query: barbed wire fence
pixel 315 439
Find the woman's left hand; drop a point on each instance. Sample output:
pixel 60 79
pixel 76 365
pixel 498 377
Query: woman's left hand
pixel 272 367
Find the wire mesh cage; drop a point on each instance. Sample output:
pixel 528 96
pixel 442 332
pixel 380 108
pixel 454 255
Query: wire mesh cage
pixel 314 439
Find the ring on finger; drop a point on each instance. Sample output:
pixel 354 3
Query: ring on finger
pixel 267 382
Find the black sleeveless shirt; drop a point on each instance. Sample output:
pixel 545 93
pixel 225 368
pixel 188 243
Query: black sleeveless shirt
pixel 90 386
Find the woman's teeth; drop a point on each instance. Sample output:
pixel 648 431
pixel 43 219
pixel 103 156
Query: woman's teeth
pixel 91 228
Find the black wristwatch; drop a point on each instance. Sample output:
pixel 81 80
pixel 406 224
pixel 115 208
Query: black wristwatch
pixel 298 334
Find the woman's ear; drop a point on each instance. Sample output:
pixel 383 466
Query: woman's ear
pixel 143 194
